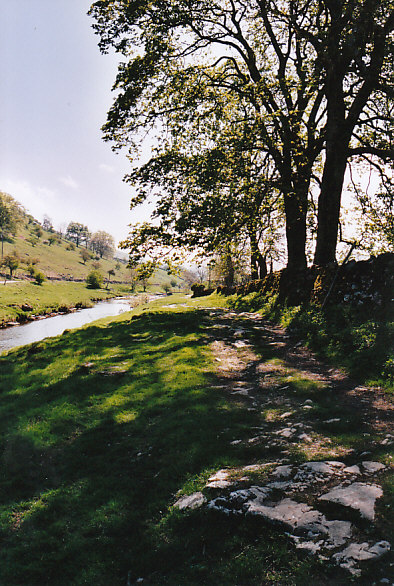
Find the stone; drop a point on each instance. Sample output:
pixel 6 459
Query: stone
pixel 192 501
pixel 287 512
pixel 218 484
pixel 373 467
pixel 360 552
pixel 352 469
pixel 334 420
pixel 287 414
pixel 240 344
pixel 283 471
pixel 358 496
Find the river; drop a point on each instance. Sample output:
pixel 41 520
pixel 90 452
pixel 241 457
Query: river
pixel 54 326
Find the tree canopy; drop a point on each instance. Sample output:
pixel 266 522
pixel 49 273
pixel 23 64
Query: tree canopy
pixel 310 79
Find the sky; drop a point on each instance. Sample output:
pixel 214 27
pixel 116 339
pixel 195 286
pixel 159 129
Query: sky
pixel 55 91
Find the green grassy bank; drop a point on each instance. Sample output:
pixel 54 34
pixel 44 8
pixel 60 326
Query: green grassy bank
pixel 47 298
pixel 361 340
pixel 103 428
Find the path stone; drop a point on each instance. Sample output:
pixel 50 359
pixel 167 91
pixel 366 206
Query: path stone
pixel 373 467
pixel 358 496
pixel 192 501
pixel 359 552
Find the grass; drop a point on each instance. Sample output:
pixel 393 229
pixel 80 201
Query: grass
pixel 46 298
pixel 361 340
pixel 58 261
pixel 102 429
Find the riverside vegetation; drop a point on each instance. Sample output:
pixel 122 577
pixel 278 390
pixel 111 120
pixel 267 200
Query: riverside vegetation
pixel 104 429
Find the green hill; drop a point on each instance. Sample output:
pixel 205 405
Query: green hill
pixel 62 260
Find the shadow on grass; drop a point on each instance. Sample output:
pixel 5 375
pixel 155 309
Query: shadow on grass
pixel 100 429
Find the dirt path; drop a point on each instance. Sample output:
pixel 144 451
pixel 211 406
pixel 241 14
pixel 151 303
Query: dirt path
pixel 319 456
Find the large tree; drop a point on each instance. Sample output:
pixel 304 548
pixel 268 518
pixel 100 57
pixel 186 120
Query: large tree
pixel 309 70
pixel 78 233
pixel 102 243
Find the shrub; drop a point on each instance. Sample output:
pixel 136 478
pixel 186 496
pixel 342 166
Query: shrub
pixel 31 270
pixel 39 278
pixel 94 280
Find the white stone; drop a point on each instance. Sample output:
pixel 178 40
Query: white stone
pixel 360 552
pixel 373 467
pixel 283 471
pixel 357 496
pixel 192 501
pixel 352 469
pixel 219 484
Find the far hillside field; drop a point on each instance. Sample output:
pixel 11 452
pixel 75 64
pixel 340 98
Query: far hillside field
pixel 62 260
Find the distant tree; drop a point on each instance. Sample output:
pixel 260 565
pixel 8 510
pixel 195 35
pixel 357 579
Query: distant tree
pixel 144 272
pixel 102 243
pixel 11 261
pixel 37 231
pixel 39 278
pixel 53 239
pixel 31 270
pixel 111 273
pixel 47 224
pixel 77 233
pixel 94 280
pixel 33 240
pixel 118 266
pixel 11 215
pixel 96 265
pixel 85 255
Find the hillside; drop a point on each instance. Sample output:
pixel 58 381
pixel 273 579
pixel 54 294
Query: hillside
pixel 62 260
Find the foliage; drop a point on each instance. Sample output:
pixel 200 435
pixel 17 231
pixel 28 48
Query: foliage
pixel 144 271
pixel 39 277
pixel 102 243
pixel 309 81
pixel 77 232
pixel 47 224
pixel 85 255
pixel 11 261
pixel 11 216
pixel 94 280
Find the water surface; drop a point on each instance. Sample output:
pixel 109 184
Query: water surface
pixel 54 326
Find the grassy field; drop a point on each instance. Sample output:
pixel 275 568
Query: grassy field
pixel 102 429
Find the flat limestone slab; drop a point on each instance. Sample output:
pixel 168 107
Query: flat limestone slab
pixel 360 552
pixel 192 501
pixel 358 496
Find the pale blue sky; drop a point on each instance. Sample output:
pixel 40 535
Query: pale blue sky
pixel 55 92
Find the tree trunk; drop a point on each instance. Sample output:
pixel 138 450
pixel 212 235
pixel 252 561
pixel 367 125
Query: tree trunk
pixel 337 141
pixel 329 205
pixel 295 210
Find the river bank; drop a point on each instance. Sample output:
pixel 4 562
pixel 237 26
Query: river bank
pixel 24 302
pixel 108 429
